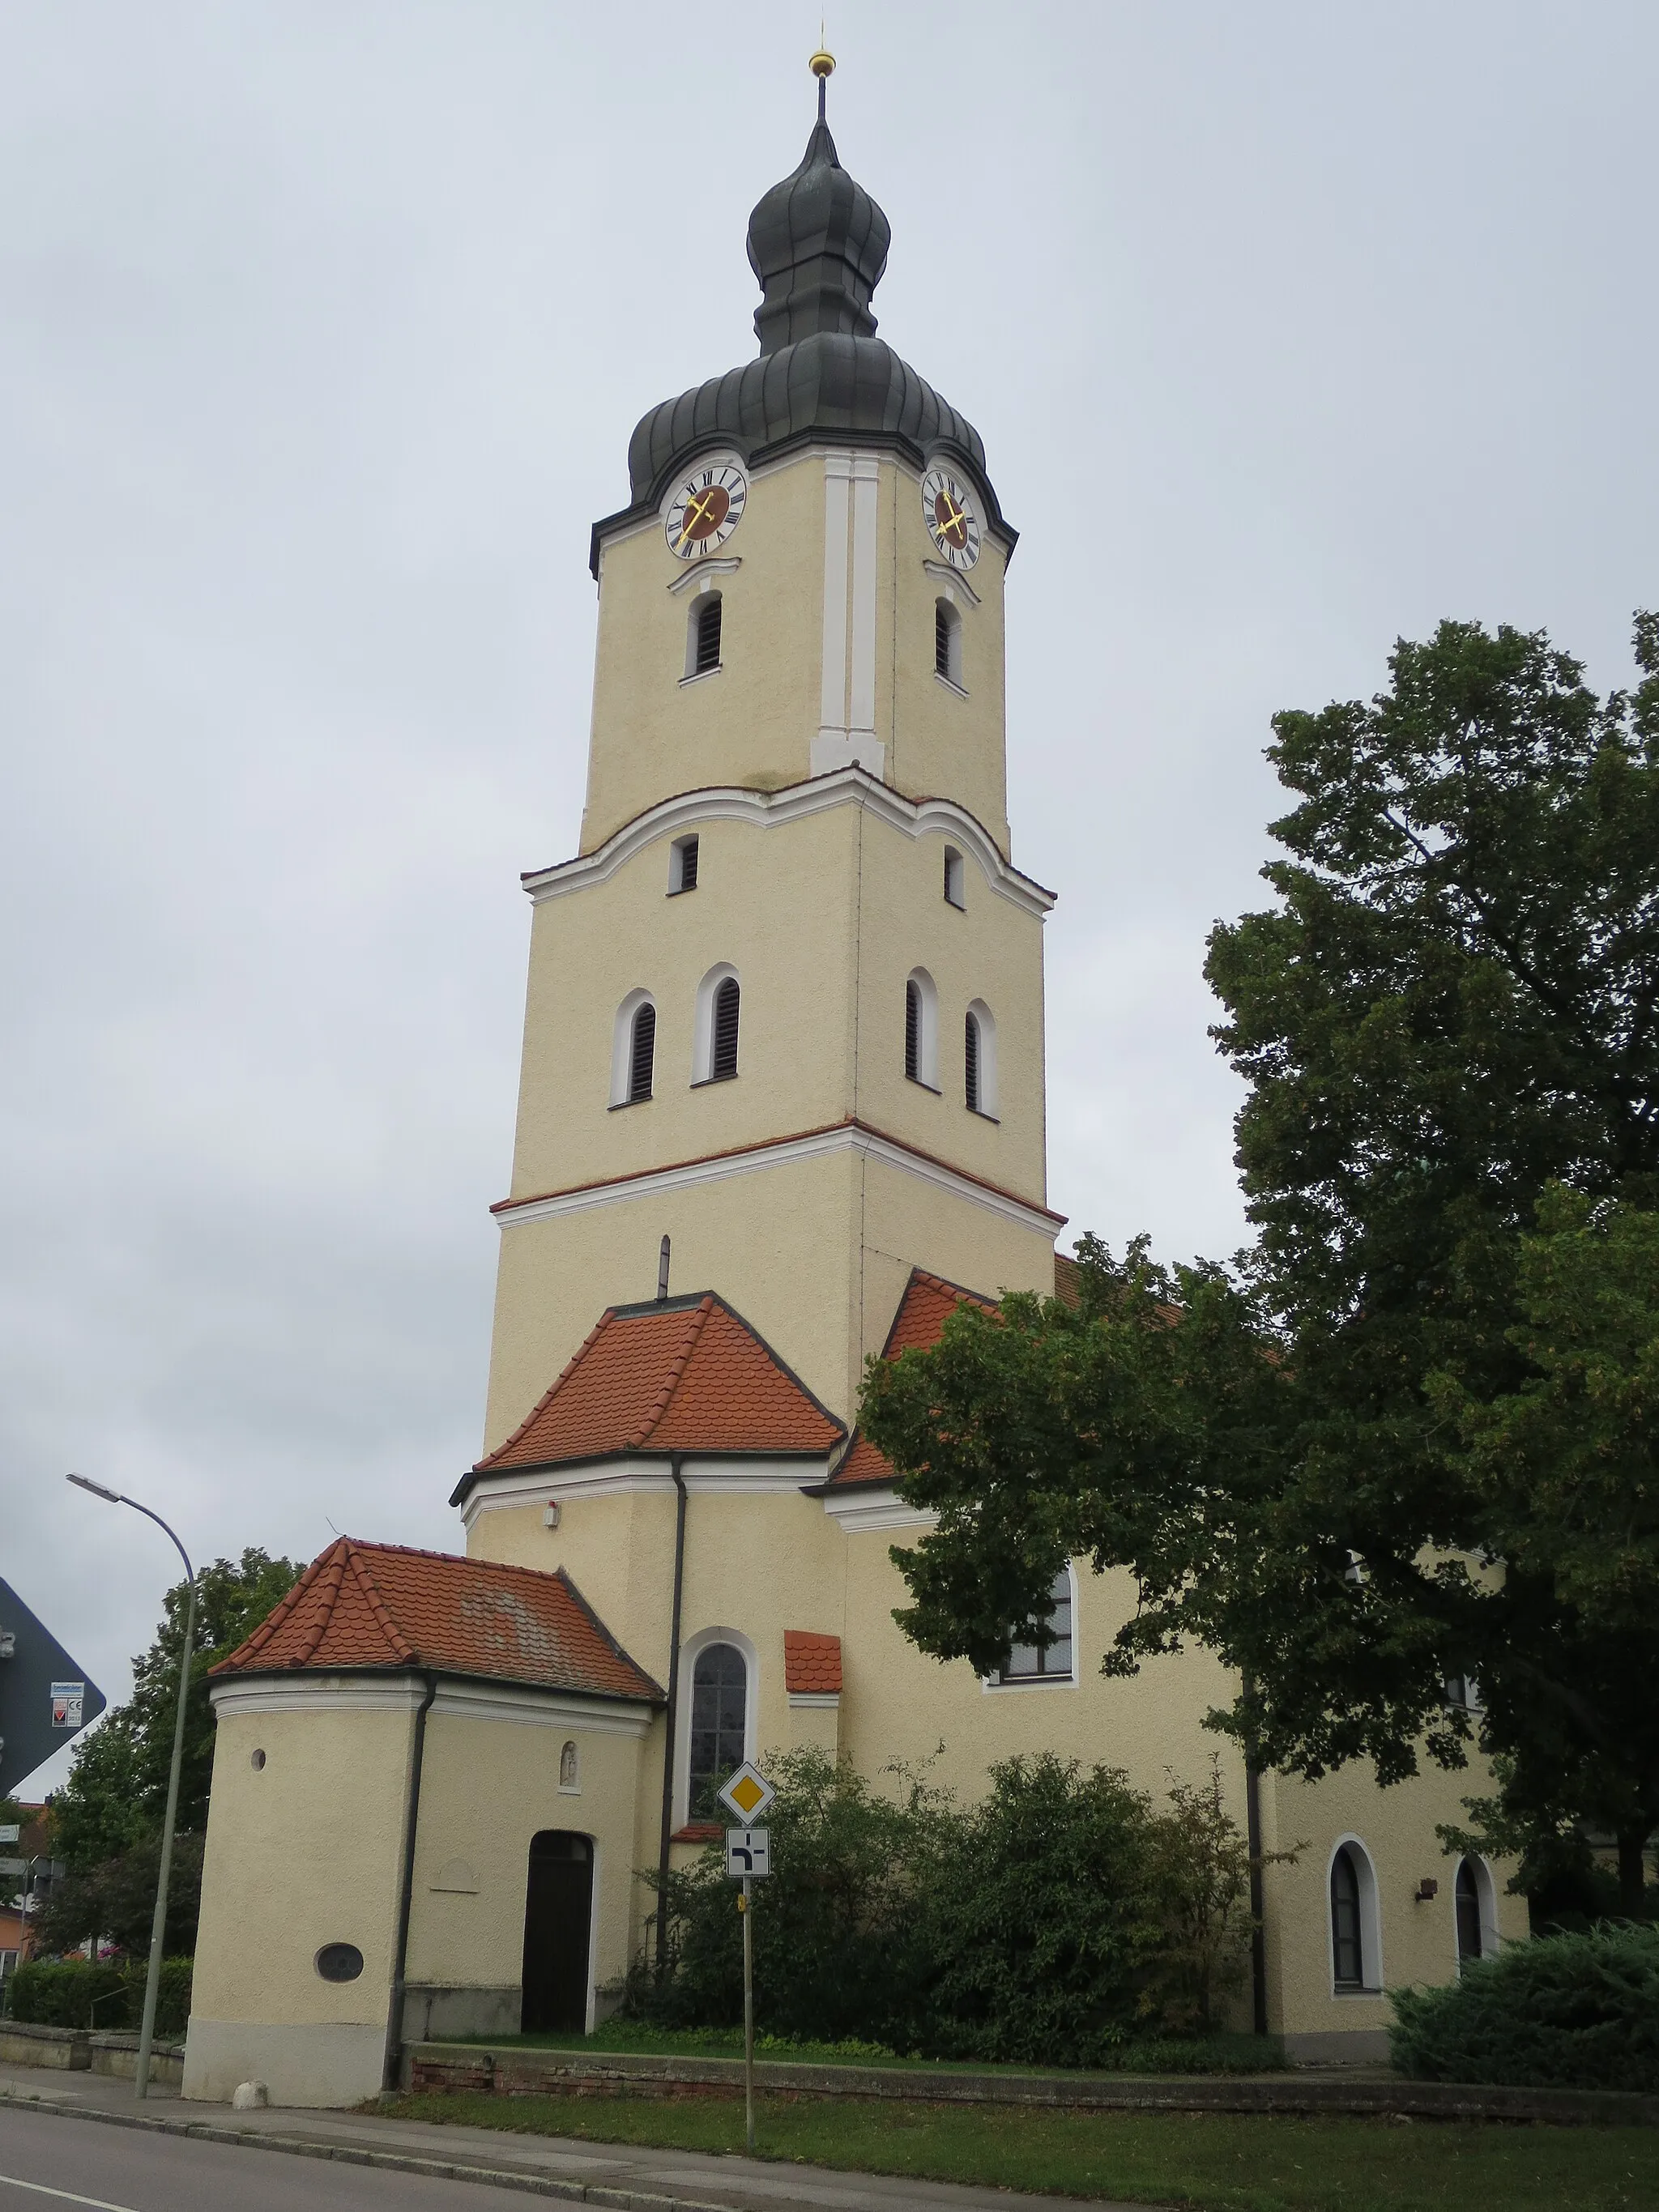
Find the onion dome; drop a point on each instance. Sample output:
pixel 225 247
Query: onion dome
pixel 817 242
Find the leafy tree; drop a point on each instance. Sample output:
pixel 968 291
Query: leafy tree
pixel 1305 1459
pixel 116 1795
pixel 115 1901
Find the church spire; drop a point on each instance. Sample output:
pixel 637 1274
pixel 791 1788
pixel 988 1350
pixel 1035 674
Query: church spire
pixel 818 244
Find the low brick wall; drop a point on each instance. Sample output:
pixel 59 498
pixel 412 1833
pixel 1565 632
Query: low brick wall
pixel 513 2071
pixel 24 2043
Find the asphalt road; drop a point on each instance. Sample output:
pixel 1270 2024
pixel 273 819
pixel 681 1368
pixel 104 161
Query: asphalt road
pixel 51 2165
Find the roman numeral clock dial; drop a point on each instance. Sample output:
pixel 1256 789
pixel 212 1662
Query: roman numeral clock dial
pixel 947 508
pixel 705 509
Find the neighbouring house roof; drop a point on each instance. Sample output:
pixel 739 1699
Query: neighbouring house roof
pixel 927 1303
pixel 812 1664
pixel 678 1375
pixel 380 1606
pixel 1066 1275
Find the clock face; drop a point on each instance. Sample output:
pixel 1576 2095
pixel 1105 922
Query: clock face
pixel 705 509
pixel 947 508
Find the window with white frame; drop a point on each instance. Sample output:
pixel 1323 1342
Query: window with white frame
pixel 634 1050
pixel 921 1029
pixel 703 635
pixel 956 877
pixel 720 1713
pixel 979 1053
pixel 682 867
pixel 1355 1925
pixel 720 1006
pixel 947 642
pixel 1047 1658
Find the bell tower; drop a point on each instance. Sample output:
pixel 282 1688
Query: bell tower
pixel 785 1004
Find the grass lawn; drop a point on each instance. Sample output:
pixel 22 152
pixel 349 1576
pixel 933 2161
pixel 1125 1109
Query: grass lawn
pixel 1215 2054
pixel 1221 2162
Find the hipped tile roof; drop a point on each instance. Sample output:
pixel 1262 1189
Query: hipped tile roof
pixel 373 1606
pixel 927 1303
pixel 812 1664
pixel 679 1375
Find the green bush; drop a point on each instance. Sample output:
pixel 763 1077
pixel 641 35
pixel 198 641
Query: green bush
pixel 76 1993
pixel 1055 1922
pixel 60 1993
pixel 1561 2012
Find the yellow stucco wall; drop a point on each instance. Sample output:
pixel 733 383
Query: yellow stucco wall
pixel 753 723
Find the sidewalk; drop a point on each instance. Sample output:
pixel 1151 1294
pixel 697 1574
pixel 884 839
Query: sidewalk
pixel 625 2179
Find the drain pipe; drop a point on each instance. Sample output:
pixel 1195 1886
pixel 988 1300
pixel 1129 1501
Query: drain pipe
pixel 671 1718
pixel 394 2030
pixel 1258 1932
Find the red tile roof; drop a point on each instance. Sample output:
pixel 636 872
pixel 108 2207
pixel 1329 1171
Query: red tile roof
pixel 810 1663
pixel 679 1375
pixel 380 1605
pixel 927 1303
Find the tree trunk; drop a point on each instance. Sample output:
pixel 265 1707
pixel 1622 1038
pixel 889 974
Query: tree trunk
pixel 1632 1873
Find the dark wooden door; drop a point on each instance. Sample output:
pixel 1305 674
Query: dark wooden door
pixel 558 1916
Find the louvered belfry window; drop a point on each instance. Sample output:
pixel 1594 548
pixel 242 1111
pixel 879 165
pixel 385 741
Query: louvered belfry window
pixel 971 1060
pixel 708 634
pixel 689 865
pixel 941 640
pixel 724 1061
pixel 913 1031
pixel 642 1055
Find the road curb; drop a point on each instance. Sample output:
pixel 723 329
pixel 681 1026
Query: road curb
pixel 393 2162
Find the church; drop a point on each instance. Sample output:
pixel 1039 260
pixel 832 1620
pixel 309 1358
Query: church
pixel 781 1108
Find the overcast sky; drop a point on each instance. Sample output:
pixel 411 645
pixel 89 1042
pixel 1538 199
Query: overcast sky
pixel 323 326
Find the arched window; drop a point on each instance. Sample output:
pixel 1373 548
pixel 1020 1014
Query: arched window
pixel 719 1707
pixel 704 644
pixel 714 1051
pixel 1050 1661
pixel 921 1029
pixel 980 1060
pixel 633 1049
pixel 1476 1901
pixel 947 642
pixel 642 1054
pixel 1347 1928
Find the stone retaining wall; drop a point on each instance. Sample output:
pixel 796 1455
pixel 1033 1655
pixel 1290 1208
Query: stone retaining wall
pixel 513 2070
pixel 23 2043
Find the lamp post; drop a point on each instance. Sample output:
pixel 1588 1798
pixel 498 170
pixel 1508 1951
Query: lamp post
pixel 159 1924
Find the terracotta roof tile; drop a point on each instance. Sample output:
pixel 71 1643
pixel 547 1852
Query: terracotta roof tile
pixel 1066 1272
pixel 679 1375
pixel 927 1303
pixel 381 1606
pixel 810 1663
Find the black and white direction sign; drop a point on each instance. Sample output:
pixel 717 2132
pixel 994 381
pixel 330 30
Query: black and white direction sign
pixel 748 1851
pixel 45 1699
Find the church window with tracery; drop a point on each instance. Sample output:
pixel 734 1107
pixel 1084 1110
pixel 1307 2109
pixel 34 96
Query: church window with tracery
pixel 720 1705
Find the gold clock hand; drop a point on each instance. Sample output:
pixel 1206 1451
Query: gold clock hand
pixel 694 514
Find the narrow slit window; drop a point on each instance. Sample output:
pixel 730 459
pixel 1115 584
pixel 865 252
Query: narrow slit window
pixel 683 867
pixel 947 642
pixel 707 656
pixel 970 1062
pixel 1469 1913
pixel 723 1059
pixel 643 1054
pixel 913 1031
pixel 955 882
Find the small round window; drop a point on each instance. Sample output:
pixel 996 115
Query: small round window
pixel 258 1762
pixel 339 1962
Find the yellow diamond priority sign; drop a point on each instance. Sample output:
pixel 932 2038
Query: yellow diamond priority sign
pixel 747 1793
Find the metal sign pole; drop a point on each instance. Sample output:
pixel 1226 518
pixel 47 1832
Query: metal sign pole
pixel 748 2014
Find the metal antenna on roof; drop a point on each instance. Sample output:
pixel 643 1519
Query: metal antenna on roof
pixel 822 65
pixel 662 1271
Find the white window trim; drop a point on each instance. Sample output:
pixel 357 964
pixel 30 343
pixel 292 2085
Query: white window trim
pixel 676 863
pixel 993 1686
pixel 693 674
pixel 955 879
pixel 688 1650
pixel 702 1033
pixel 951 674
pixel 1370 1922
pixel 926 1029
pixel 621 1047
pixel 988 1059
pixel 1486 1891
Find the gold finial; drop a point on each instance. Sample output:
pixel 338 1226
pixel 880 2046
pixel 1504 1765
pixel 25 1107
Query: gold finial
pixel 822 63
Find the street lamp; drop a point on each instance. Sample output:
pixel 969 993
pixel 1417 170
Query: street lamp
pixel 159 1924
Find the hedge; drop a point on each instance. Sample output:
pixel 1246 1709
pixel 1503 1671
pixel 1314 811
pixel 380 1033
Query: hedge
pixel 63 1993
pixel 1567 2012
